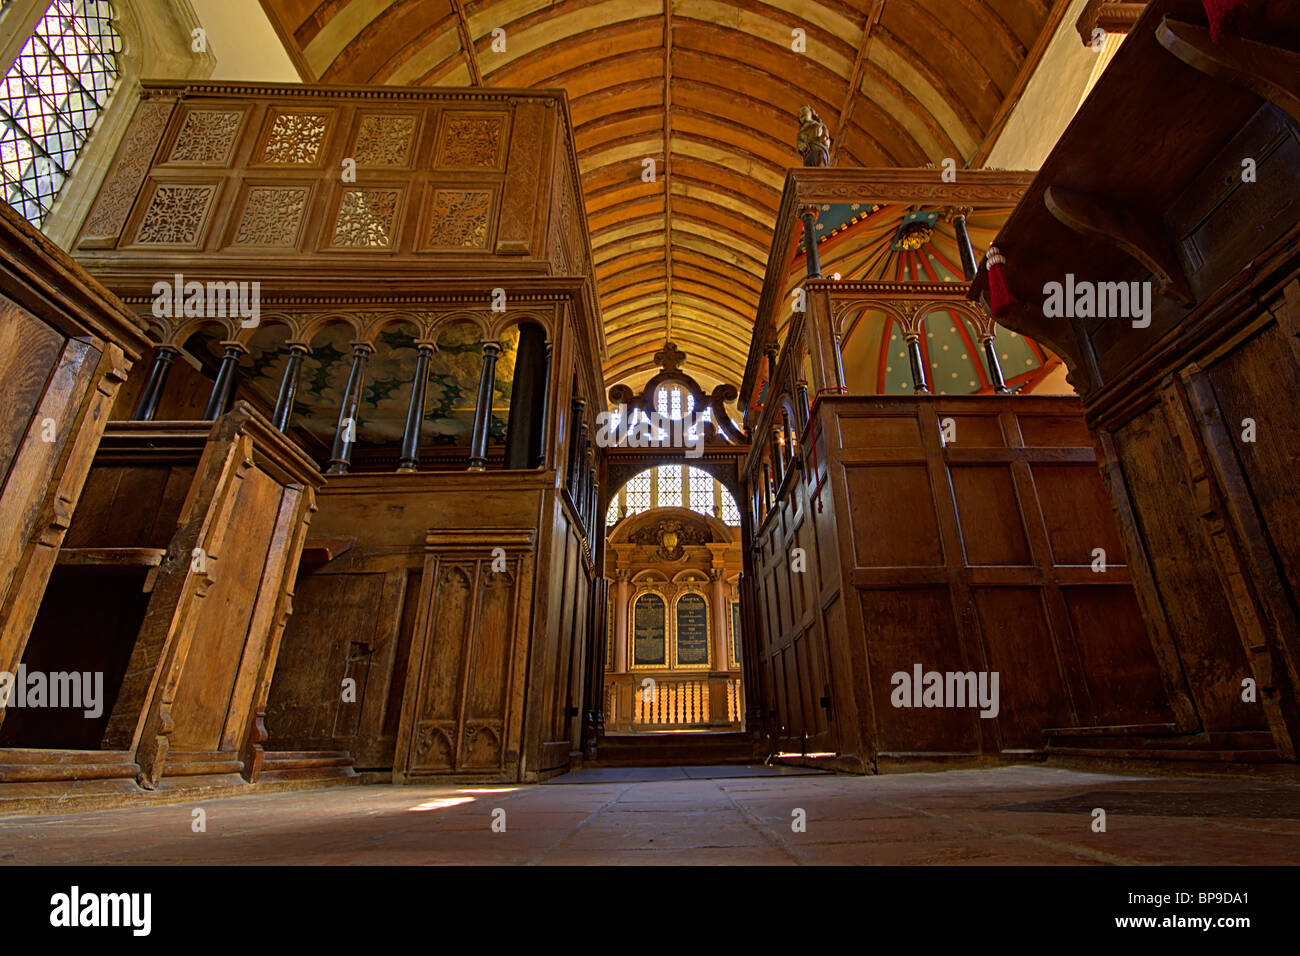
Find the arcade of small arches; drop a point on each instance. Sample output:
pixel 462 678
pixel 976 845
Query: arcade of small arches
pixel 352 384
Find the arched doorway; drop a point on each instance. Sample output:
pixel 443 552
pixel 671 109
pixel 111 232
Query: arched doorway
pixel 673 658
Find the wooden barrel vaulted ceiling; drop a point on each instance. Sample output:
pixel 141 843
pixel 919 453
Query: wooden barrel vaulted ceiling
pixel 709 90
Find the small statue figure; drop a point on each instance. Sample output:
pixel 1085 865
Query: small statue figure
pixel 814 142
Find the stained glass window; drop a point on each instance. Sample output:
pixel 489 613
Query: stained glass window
pixel 51 97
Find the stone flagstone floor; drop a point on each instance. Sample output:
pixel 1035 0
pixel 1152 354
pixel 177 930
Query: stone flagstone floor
pixel 1009 815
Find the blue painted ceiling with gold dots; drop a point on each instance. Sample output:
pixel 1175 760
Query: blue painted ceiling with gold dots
pixel 865 241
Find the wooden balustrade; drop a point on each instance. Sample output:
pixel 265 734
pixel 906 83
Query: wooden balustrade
pixel 705 701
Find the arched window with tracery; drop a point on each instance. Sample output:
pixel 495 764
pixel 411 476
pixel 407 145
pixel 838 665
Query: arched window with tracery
pixel 53 93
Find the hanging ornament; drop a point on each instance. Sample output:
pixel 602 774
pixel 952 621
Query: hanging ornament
pixel 1223 15
pixel 1000 298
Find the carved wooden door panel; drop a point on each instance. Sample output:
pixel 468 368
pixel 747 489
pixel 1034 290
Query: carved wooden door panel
pixel 460 711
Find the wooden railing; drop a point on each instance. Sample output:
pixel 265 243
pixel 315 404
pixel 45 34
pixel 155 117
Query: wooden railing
pixel 711 701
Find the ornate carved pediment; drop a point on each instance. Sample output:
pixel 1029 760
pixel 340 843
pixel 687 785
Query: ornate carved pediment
pixel 672 535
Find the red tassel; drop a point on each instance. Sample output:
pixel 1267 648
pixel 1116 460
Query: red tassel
pixel 1223 15
pixel 1000 298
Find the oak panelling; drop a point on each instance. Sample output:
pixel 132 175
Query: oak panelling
pixel 340 621
pixel 1185 574
pixel 1122 686
pixel 1023 649
pixel 955 559
pixel 991 526
pixel 906 627
pixel 461 712
pixel 1064 493
pixel 1248 385
pixel 203 697
pixel 892 520
pixel 1208 518
pixel 29 350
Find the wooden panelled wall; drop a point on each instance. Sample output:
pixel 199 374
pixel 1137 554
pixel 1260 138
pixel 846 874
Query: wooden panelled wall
pixel 1194 413
pixel 957 534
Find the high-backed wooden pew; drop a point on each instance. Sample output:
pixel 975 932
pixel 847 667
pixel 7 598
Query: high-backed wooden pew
pixel 176 580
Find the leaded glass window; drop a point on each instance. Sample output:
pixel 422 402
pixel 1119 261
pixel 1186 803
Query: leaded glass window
pixel 701 486
pixel 638 493
pixel 670 486
pixel 50 100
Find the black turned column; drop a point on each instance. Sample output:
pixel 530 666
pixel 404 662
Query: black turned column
pixel 995 367
pixel 483 408
pixel 225 383
pixel 917 360
pixel 345 432
pixel 811 258
pixel 152 394
pixel 410 460
pixel 288 387
pixel 964 247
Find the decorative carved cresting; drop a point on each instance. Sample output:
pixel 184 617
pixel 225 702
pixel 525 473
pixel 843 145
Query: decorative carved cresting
pixel 176 214
pixel 460 218
pixel 295 139
pixel 670 360
pixel 272 216
pixel 384 140
pixel 124 181
pixel 470 142
pixel 206 137
pixel 366 218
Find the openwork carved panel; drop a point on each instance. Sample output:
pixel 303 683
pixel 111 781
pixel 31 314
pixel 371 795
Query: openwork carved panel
pixel 366 218
pixel 460 218
pixel 384 140
pixel 123 184
pixel 176 214
pixel 272 216
pixel 470 142
pixel 206 137
pixel 295 139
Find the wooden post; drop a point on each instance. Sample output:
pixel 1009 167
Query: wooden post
pixel 345 432
pixel 539 450
pixel 288 387
pixel 410 460
pixel 162 363
pixel 483 408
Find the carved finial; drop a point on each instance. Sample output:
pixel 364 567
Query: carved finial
pixel 814 140
pixel 670 358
